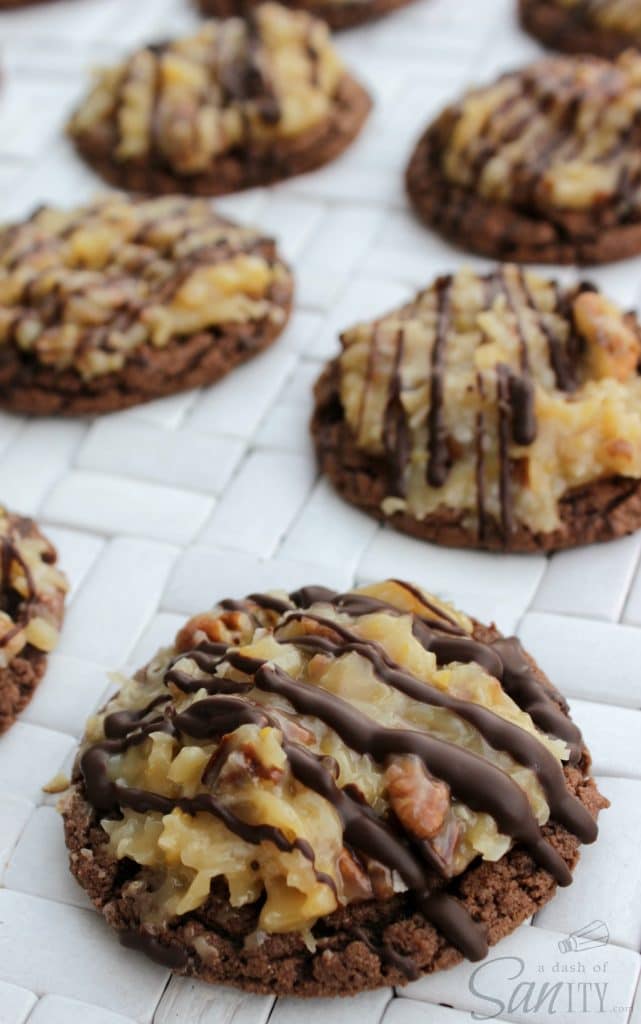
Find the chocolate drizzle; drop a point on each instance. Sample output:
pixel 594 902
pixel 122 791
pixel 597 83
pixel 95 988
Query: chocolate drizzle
pixel 438 462
pixel 396 438
pixel 362 828
pixel 497 731
pixel 514 387
pixel 472 779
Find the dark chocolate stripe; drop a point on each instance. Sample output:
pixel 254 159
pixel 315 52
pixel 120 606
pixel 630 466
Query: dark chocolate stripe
pixel 106 796
pixel 521 684
pixel 362 829
pixel 474 781
pixel 438 461
pixel 504 422
pixel 499 733
pixel 396 437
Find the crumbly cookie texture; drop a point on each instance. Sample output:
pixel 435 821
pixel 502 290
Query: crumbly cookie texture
pixel 313 752
pixel 88 289
pixel 494 396
pixel 268 86
pixel 545 162
pixel 32 592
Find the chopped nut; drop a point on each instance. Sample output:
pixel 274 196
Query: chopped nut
pixel 356 883
pixel 613 347
pixel 58 784
pixel 419 801
pixel 201 627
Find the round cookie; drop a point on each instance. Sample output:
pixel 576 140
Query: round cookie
pixel 122 301
pixel 10 5
pixel 496 411
pixel 542 166
pixel 338 14
pixel 320 793
pixel 605 28
pixel 32 593
pixel 241 103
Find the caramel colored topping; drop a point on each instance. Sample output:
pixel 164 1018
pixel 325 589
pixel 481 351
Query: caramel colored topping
pixel 90 288
pixel 235 83
pixel 32 589
pixel 343 747
pixel 495 395
pixel 560 136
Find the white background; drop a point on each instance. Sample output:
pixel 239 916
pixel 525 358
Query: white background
pixel 160 511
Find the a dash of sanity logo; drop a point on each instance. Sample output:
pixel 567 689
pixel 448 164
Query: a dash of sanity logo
pixel 575 982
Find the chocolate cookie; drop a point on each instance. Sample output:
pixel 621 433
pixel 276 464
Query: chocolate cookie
pixel 338 14
pixel 122 301
pixel 602 27
pixel 498 411
pixel 320 793
pixel 240 103
pixel 32 593
pixel 542 166
pixel 9 5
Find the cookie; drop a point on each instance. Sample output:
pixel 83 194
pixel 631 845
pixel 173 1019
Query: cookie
pixel 122 301
pixel 10 5
pixel 241 103
pixel 542 166
pixel 338 14
pixel 32 593
pixel 605 28
pixel 320 793
pixel 495 411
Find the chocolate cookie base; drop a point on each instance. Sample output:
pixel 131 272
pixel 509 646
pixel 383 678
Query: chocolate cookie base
pixel 245 168
pixel 18 683
pixel 363 946
pixel 559 29
pixel 338 15
pixel 508 233
pixel 10 5
pixel 600 511
pixel 149 373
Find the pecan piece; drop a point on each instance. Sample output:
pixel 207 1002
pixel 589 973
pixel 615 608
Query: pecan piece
pixel 356 884
pixel 613 345
pixel 419 801
pixel 209 626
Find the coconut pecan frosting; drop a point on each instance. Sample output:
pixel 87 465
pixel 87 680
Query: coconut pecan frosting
pixel 320 749
pixel 559 139
pixel 88 289
pixel 234 84
pixel 495 395
pixel 32 590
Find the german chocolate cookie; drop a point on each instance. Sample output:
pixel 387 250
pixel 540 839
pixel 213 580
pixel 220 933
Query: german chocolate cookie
pixel 32 593
pixel 338 14
pixel 9 5
pixel 543 166
pixel 319 793
pixel 122 301
pixel 240 103
pixel 602 27
pixel 496 411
